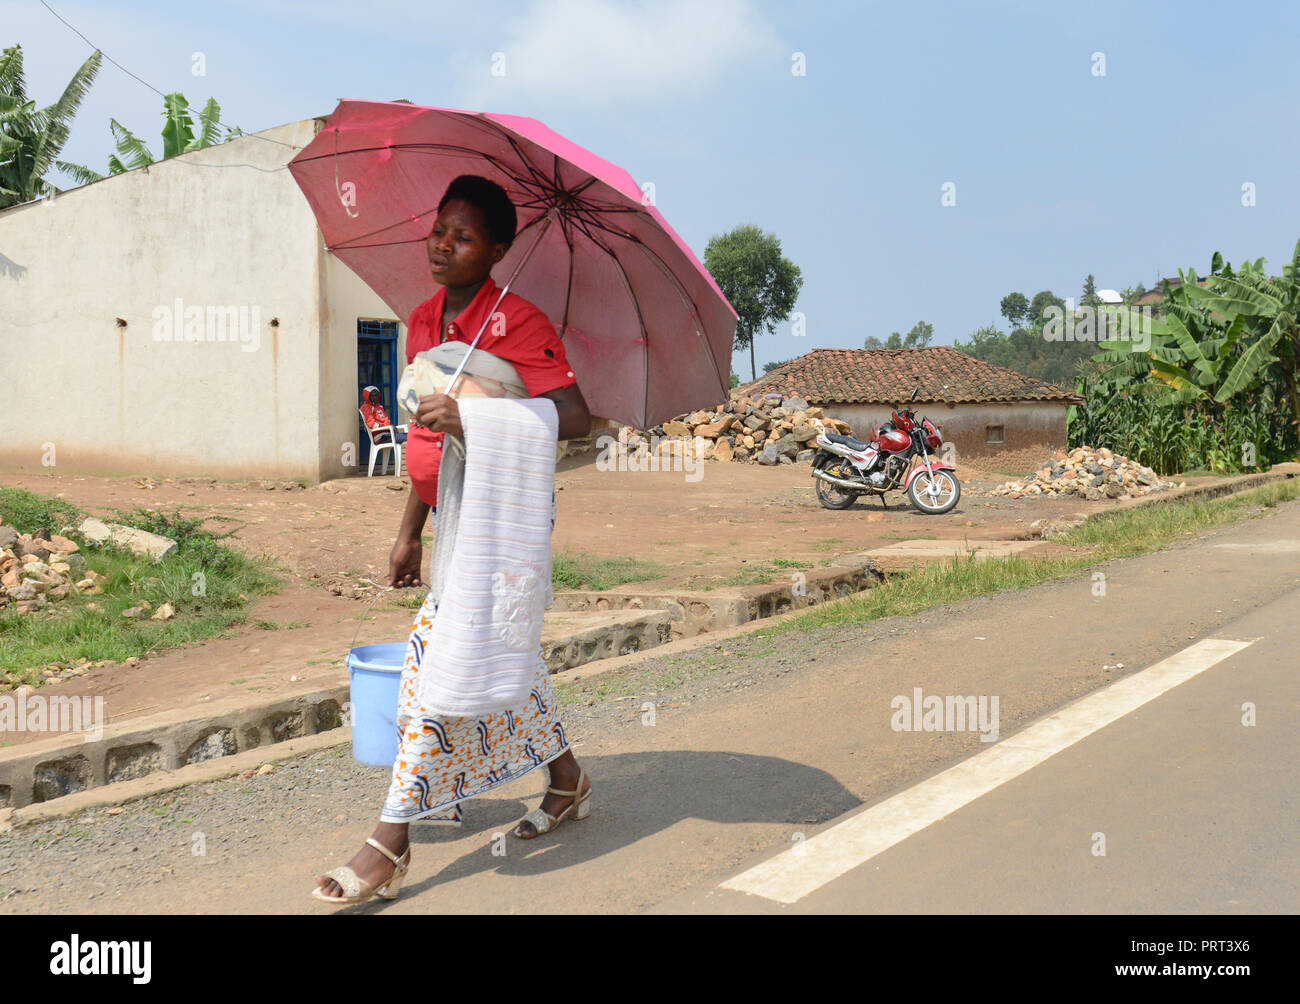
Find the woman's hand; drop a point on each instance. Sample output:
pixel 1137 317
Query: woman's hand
pixel 439 413
pixel 404 563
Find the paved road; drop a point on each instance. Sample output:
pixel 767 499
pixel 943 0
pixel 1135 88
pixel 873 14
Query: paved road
pixel 773 743
pixel 1176 807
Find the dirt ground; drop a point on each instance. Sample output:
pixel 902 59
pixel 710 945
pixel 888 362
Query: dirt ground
pixel 701 527
pixel 332 537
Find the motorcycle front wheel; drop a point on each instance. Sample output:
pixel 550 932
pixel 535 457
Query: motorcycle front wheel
pixel 934 492
pixel 832 496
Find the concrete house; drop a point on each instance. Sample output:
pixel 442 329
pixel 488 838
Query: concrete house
pixel 981 409
pixel 185 318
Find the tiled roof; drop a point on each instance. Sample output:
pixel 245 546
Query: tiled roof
pixel 887 376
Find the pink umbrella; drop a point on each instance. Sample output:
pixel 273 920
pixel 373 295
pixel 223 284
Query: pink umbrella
pixel 646 328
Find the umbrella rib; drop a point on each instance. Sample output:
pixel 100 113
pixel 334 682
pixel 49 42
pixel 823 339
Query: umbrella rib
pixel 636 306
pixel 654 256
pixel 538 181
pixel 663 267
pixel 566 230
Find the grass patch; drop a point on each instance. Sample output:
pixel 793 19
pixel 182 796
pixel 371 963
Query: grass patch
pixel 755 575
pixel 580 570
pixel 28 512
pixel 208 584
pixel 828 543
pixel 1122 534
pixel 278 626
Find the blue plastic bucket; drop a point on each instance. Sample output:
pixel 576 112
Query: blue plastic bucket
pixel 375 672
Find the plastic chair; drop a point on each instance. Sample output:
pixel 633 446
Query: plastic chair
pixel 378 447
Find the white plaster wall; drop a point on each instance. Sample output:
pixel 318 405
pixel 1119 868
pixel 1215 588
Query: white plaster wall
pixel 216 227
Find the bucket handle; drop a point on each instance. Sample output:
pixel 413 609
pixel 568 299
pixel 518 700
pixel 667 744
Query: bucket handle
pixel 365 613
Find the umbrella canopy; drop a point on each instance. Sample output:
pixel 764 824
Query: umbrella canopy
pixel 645 327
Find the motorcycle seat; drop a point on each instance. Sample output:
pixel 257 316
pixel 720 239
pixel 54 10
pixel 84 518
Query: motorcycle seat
pixel 853 444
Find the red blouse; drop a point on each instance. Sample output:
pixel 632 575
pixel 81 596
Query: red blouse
pixel 522 335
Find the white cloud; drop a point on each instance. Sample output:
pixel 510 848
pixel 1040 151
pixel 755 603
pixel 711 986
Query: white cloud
pixel 598 53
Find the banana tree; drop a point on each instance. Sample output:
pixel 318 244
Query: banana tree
pixel 178 136
pixel 1269 306
pixel 31 138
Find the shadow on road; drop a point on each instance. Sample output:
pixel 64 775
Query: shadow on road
pixel 635 796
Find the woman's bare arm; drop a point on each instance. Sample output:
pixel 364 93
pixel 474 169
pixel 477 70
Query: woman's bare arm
pixel 575 419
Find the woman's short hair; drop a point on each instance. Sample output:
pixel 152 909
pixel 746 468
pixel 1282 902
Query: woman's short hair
pixel 491 198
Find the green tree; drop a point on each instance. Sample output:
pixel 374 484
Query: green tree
pixel 769 367
pixel 1090 297
pixel 761 283
pixel 1131 294
pixel 178 135
pixel 1015 308
pixel 1269 307
pixel 918 338
pixel 31 139
pixel 1216 386
pixel 1040 303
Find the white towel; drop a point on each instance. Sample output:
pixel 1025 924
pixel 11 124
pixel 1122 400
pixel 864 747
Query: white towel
pixel 491 573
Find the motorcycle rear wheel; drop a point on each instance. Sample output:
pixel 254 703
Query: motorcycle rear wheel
pixel 833 496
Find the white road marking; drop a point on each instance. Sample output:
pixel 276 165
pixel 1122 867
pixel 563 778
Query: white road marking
pixel 1284 546
pixel 794 873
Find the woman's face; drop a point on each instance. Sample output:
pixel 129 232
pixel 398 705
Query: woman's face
pixel 461 252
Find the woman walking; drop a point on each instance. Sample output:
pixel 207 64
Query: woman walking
pixel 443 760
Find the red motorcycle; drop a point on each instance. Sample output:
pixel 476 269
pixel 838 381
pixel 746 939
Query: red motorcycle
pixel 897 455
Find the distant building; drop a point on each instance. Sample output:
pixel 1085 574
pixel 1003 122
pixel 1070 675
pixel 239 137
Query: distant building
pixel 1155 295
pixel 981 409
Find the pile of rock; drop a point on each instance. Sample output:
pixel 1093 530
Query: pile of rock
pixel 766 429
pixel 38 567
pixel 1087 474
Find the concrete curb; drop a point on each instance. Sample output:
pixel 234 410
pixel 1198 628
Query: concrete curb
pixel 167 780
pixel 696 612
pixel 68 763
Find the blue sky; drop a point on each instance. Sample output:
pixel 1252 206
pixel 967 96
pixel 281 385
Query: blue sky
pixel 1058 171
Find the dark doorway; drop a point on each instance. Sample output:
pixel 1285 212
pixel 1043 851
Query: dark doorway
pixel 376 365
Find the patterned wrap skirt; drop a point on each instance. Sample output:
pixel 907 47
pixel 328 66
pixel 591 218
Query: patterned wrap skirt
pixel 443 761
